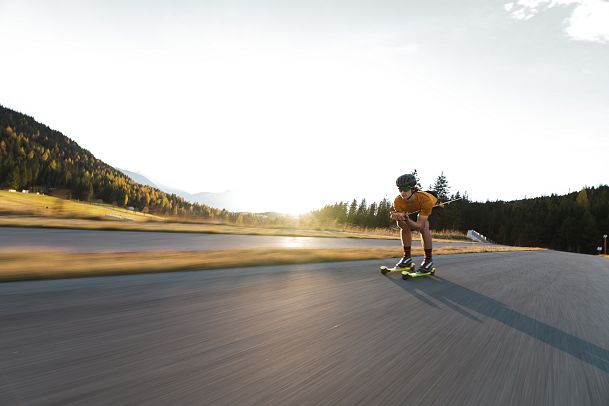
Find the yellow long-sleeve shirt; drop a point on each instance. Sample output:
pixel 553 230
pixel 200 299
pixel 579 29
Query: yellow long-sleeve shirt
pixel 422 201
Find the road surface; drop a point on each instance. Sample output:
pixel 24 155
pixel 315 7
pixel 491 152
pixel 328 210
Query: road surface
pixel 91 241
pixel 520 328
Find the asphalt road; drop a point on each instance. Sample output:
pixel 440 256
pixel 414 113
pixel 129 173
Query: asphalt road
pixel 526 328
pixel 93 241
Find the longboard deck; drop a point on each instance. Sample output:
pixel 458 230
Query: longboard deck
pixel 408 275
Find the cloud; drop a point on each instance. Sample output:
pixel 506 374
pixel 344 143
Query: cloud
pixel 523 15
pixel 589 20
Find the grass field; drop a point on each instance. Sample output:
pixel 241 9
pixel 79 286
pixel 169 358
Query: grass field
pixel 31 204
pixel 30 265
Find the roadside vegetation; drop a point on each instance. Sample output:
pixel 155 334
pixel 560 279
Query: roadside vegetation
pixel 26 264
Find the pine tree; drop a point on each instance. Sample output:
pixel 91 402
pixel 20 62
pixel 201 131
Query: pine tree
pixel 382 215
pixel 14 179
pixel 89 192
pixel 441 187
pixel 352 212
pixel 341 216
pixel 360 216
pixel 416 176
pixel 371 216
pixel 582 199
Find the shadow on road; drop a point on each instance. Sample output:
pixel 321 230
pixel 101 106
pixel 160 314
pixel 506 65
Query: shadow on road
pixel 463 300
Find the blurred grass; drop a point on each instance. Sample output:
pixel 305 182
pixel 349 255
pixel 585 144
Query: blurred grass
pixel 26 264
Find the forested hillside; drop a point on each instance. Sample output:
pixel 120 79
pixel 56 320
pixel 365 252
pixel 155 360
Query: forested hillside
pixel 575 222
pixel 33 156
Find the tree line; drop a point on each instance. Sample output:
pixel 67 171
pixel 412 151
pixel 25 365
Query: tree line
pixel 376 215
pixel 575 222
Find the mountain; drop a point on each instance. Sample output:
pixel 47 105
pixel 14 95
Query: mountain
pixel 139 178
pixel 229 200
pixel 35 157
pixel 142 179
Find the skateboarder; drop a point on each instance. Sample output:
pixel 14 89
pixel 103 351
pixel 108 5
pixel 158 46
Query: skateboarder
pixel 410 200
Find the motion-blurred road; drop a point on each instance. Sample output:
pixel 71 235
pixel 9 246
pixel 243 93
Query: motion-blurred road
pixel 91 241
pixel 521 328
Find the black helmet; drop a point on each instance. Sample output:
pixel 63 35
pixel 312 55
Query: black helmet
pixel 406 181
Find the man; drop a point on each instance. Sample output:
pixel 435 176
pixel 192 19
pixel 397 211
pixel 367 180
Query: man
pixel 411 200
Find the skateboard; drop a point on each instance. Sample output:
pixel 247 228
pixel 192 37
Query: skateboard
pixel 408 275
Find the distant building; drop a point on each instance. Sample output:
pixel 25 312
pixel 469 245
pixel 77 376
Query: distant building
pixel 131 208
pixel 25 191
pixel 12 191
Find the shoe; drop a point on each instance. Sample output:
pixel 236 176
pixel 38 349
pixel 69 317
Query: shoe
pixel 426 266
pixel 404 263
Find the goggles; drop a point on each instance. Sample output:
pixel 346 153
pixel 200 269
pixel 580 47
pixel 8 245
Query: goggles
pixel 404 189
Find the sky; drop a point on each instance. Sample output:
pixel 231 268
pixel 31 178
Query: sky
pixel 298 104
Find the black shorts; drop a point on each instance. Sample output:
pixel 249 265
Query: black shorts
pixel 434 217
